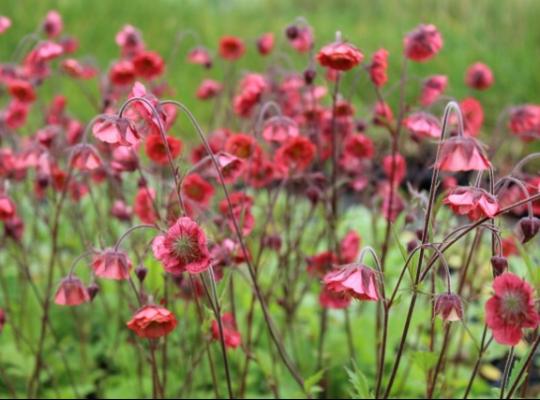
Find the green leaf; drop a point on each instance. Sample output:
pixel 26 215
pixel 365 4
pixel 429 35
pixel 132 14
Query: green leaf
pixel 426 360
pixel 359 382
pixel 311 382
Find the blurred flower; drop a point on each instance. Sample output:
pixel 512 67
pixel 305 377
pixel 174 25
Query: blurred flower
pixel 378 68
pixel 156 149
pixel 71 292
pixel 208 89
pixel 340 56
pixel 231 48
pixel 148 65
pixel 112 264
pixel 423 43
pixel 231 336
pixel 432 88
pixel 143 205
pixel 479 76
pixel 265 43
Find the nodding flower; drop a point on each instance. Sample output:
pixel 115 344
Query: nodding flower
pixel 462 153
pixel 152 322
pixel 71 292
pixel 423 43
pixel 340 56
pixel 479 76
pixel 353 280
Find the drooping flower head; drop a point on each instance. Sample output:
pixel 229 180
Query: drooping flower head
pixel 423 43
pixel 152 322
pixel 511 309
pixel 182 248
pixel 378 68
pixel 422 125
pixel 71 292
pixel 474 202
pixel 432 88
pixel 112 264
pixel 524 121
pixel 462 153
pixel 449 307
pixel 354 280
pixel 265 43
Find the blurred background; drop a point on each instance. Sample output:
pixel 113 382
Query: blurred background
pixel 504 34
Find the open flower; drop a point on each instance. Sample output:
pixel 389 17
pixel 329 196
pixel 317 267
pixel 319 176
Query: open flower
pixel 354 280
pixel 231 336
pixel 71 292
pixel 197 189
pixel 112 264
pixel 295 154
pixel 333 300
pixel 148 64
pixel 157 151
pixel 462 154
pixel 152 322
pixel 474 202
pixel 182 248
pixel 231 48
pixel 423 43
pixel 511 309
pixel 340 56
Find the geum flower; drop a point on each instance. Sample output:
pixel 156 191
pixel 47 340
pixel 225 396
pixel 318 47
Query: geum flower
pixel 423 43
pixel 353 280
pixel 340 56
pixel 112 264
pixel 231 336
pixel 182 248
pixel 474 202
pixel 462 153
pixel 71 292
pixel 422 125
pixel 152 322
pixel 511 309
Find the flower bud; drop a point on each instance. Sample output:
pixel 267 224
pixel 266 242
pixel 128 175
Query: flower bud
pixel 527 228
pixel 141 271
pixel 292 32
pixel 413 244
pixel 309 76
pixel 499 264
pixel 92 290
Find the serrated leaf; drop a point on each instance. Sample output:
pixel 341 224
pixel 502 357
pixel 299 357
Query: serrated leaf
pixel 359 383
pixel 311 382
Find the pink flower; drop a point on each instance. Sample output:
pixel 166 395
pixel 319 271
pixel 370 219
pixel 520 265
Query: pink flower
pixel 114 130
pixel 397 165
pixel 333 300
pixel 511 309
pixel 7 208
pixel 524 121
pixel 71 292
pixel 53 25
pixel 474 202
pixel 432 88
pixel 182 248
pixel 200 56
pixel 473 115
pixel 208 89
pixel 231 336
pixel 143 205
pixel 85 158
pixel 5 24
pixel 265 43
pixel 302 39
pixel 279 129
pixel 382 114
pixel 349 247
pixel 479 76
pixel 462 154
pixel 112 264
pixel 423 43
pixel 354 280
pixel 340 56
pixel 378 68
pixel 130 40
pixel 196 189
pixel 422 125
pixel 152 322
pixel 148 64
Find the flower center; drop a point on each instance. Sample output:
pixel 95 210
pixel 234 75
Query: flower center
pixel 512 305
pixel 185 248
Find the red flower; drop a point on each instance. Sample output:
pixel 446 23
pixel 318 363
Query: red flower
pixel 16 114
pixel 152 322
pixel 333 300
pixel 231 336
pixel 474 202
pixel 231 48
pixel 382 114
pixel 182 248
pixel 319 264
pixel 121 211
pixel 354 280
pixel 156 150
pixel 112 264
pixel 265 43
pixel 378 68
pixel 449 307
pixel 241 209
pixel 296 154
pixel 71 292
pixel 279 129
pixel 340 56
pixel 473 115
pixel 148 64
pixel 422 125
pixel 130 40
pixel 122 73
pixel 423 43
pixel 200 56
pixel 242 146
pixel 462 154
pixel 209 89
pixel 197 189
pixel 85 158
pixel 22 90
pixel 231 167
pixel 144 206
pixel 398 165
pixel 511 309
pixel 77 70
pixel 302 40
pixel 479 76
pixel 432 88
pixel 7 208
pixel 358 147
pixel 524 121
